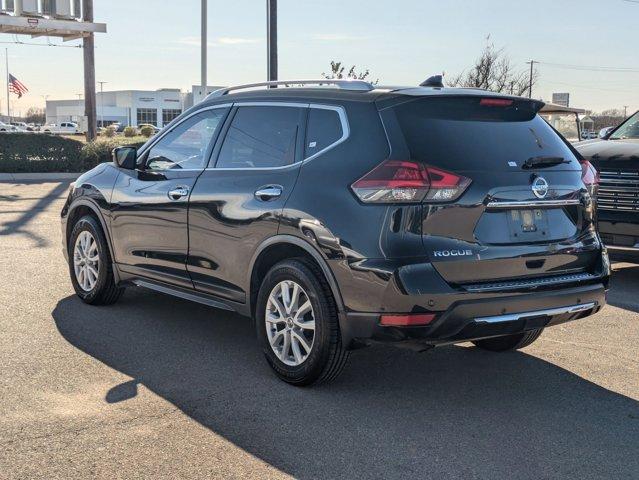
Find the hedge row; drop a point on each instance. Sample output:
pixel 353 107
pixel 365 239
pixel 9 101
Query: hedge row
pixel 27 153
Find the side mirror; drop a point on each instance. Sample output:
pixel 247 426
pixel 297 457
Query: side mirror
pixel 125 157
pixel 604 132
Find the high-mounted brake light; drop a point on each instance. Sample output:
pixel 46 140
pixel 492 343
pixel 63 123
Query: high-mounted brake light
pixel 400 181
pixel 589 174
pixel 495 102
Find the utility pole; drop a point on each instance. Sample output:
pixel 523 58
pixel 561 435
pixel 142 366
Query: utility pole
pixel 88 44
pixel 271 41
pixel 102 103
pixel 6 52
pixel 530 82
pixel 204 81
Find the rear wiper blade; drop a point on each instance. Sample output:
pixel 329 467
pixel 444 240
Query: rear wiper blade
pixel 543 162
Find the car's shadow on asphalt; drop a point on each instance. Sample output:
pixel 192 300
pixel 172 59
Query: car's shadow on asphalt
pixel 452 412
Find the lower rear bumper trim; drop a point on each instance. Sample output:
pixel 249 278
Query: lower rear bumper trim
pixel 538 313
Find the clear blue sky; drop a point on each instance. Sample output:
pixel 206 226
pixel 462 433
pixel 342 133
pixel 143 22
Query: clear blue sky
pixel 150 45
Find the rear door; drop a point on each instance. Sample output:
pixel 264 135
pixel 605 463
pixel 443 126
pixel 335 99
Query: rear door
pixel 237 202
pixel 526 212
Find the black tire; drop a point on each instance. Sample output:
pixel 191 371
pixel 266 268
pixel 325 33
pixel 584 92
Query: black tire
pixel 509 342
pixel 328 356
pixel 105 290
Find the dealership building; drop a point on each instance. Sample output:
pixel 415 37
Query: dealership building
pixel 130 107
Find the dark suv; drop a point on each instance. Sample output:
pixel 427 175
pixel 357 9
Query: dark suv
pixel 616 157
pixel 340 214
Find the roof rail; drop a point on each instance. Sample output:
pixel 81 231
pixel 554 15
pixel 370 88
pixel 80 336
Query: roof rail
pixel 357 85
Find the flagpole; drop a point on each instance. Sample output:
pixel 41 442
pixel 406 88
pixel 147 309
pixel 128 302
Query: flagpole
pixel 6 53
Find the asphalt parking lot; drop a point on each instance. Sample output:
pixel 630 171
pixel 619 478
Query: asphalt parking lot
pixel 156 387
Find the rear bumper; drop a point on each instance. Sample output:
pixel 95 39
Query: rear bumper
pixel 474 319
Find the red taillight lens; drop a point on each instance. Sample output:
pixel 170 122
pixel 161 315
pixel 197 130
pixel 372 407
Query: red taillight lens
pixel 495 102
pixel 589 174
pixel 400 181
pixel 410 320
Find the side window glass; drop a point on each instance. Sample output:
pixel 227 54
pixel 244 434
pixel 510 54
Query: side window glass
pixel 260 137
pixel 186 145
pixel 324 129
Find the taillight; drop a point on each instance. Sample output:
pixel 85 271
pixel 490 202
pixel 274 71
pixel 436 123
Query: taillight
pixel 401 181
pixel 589 174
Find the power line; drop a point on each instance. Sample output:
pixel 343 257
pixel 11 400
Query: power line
pixel 591 68
pixel 18 42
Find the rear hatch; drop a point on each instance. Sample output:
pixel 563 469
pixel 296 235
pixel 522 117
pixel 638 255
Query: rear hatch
pixel 524 212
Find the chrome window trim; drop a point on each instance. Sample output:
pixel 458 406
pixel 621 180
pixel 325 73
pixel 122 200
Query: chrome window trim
pixel 161 135
pixel 338 108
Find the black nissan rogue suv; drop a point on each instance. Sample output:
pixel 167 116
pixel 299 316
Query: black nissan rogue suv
pixel 337 214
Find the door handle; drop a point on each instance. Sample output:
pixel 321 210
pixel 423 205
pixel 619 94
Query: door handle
pixel 268 192
pixel 178 192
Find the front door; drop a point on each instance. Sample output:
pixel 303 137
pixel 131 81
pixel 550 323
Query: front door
pixel 149 215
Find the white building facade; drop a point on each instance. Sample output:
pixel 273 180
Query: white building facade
pixel 130 107
pixel 126 107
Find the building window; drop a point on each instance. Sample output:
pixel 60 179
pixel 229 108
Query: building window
pixel 147 115
pixel 168 115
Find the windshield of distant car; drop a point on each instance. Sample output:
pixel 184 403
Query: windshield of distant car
pixel 629 129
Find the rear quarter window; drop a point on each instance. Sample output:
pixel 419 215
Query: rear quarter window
pixel 324 129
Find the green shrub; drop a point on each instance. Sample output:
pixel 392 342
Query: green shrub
pixel 130 132
pixel 27 152
pixel 99 151
pixel 109 131
pixel 147 130
pixel 24 153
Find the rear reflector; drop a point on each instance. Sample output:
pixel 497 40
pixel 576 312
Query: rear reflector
pixel 402 181
pixel 495 102
pixel 410 320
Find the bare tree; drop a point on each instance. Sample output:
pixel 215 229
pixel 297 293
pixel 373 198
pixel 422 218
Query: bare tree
pixel 338 71
pixel 35 115
pixel 608 118
pixel 494 71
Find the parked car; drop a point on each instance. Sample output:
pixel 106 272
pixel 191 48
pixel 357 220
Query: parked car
pixel 616 157
pixel 65 128
pixel 21 126
pixel 5 127
pixel 335 217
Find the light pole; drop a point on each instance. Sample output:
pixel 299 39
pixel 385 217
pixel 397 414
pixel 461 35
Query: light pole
pixel 271 41
pixel 204 81
pixel 102 103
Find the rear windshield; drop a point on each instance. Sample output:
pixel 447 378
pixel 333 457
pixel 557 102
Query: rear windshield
pixel 474 133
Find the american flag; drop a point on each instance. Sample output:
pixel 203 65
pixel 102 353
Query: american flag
pixel 16 86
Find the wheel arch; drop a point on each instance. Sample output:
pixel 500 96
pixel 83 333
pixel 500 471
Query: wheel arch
pixel 277 248
pixel 78 209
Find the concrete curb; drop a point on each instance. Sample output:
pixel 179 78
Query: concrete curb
pixel 21 177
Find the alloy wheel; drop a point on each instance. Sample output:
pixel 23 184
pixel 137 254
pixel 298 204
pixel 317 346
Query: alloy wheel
pixel 86 261
pixel 290 323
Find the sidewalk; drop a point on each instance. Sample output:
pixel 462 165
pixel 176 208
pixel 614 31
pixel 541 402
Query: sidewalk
pixel 21 177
